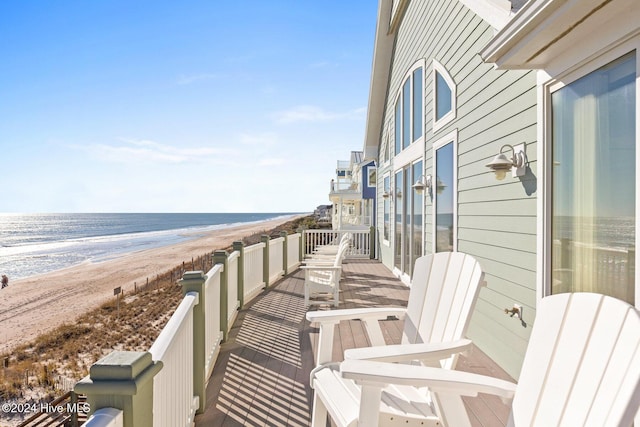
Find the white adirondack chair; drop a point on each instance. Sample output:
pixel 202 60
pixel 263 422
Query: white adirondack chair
pixel 329 256
pixel 321 278
pixel 443 294
pixel 581 368
pixel 325 251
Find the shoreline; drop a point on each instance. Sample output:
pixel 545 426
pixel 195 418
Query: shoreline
pixel 36 304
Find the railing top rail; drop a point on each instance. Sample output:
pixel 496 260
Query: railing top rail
pixel 162 343
pixel 276 240
pixel 217 268
pixel 254 247
pixel 234 255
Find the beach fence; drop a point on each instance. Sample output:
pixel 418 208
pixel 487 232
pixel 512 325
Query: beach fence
pixel 166 385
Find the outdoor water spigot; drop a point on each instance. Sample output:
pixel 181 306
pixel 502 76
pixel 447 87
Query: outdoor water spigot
pixel 515 311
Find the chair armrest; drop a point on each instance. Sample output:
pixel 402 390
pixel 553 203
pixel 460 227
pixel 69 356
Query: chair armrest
pixel 335 316
pixel 320 267
pixel 409 352
pixel 438 380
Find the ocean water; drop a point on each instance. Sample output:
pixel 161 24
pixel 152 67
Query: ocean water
pixel 33 244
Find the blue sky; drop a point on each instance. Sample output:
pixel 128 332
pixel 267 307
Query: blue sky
pixel 196 106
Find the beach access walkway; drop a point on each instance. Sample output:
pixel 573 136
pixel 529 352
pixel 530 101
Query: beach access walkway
pixel 261 377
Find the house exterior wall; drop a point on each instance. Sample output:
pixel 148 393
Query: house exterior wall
pixel 496 220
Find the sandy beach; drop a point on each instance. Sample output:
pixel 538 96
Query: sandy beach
pixel 32 306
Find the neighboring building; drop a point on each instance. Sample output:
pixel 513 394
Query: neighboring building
pixel 438 114
pixel 353 193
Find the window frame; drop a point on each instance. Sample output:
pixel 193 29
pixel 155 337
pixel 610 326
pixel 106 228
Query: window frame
pixel 386 239
pixel 451 137
pixel 398 133
pixel 438 124
pixel 547 84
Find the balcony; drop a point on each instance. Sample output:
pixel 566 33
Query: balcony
pixel 239 351
pixel 262 374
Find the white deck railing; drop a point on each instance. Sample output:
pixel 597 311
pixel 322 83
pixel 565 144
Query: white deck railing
pixel 293 251
pixel 360 246
pixel 233 302
pixel 276 259
pixel 253 268
pixel 213 332
pixel 106 417
pixel 173 401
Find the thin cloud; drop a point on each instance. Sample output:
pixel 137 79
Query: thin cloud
pixel 271 162
pixel 310 113
pixel 193 78
pixel 264 139
pixel 138 150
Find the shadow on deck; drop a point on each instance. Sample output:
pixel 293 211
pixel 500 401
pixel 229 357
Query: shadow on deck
pixel 261 377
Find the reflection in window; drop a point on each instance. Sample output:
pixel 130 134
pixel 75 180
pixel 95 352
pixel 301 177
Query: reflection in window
pixel 444 198
pixel 416 235
pixel 398 128
pixel 397 195
pixel 409 111
pixel 593 183
pixel 387 206
pixel 406 114
pixel 443 97
pixel 417 104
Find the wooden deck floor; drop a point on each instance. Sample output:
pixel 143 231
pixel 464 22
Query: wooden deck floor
pixel 261 377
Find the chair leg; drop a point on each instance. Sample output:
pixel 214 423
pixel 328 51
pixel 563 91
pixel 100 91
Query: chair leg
pixel 319 416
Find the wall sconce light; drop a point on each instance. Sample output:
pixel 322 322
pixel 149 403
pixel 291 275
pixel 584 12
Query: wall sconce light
pixel 386 195
pixel 423 183
pixel 500 164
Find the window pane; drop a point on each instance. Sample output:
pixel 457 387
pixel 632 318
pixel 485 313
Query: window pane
pixel 408 210
pixel 398 127
pixel 593 182
pixel 417 104
pixel 444 198
pixel 443 97
pixel 387 220
pixel 406 114
pixel 416 234
pixel 397 195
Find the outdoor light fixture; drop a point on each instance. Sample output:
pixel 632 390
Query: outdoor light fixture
pixel 500 164
pixel 386 195
pixel 424 182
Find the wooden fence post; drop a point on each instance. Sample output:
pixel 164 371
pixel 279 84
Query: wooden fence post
pixel 285 245
pixel 265 260
pixel 193 281
pixel 239 246
pixel 220 257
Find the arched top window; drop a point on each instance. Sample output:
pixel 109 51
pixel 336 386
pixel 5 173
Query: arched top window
pixel 409 108
pixel 444 96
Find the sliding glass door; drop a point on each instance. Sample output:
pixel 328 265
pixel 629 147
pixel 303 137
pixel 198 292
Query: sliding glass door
pixel 593 217
pixel 408 227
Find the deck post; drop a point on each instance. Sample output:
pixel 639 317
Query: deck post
pixel 265 260
pixel 302 237
pixel 372 242
pixel 220 257
pixel 193 281
pixel 239 246
pixel 285 245
pixel 122 380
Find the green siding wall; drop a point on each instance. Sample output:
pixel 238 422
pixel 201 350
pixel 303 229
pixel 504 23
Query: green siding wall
pixel 496 219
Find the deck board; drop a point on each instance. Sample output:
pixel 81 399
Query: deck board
pixel 261 377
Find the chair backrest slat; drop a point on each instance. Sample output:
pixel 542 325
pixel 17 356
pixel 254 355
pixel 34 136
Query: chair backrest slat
pixel 582 366
pixel 443 292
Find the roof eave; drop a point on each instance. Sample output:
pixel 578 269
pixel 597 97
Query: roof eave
pixel 382 54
